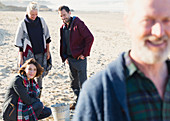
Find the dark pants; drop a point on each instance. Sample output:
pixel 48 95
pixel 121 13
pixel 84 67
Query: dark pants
pixel 78 74
pixel 40 111
pixel 39 58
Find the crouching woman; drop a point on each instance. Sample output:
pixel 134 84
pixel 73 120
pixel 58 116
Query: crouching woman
pixel 21 99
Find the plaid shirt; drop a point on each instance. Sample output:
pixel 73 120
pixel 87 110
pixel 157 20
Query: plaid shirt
pixel 144 102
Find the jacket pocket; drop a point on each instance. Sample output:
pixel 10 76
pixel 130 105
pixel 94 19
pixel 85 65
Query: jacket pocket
pixel 10 113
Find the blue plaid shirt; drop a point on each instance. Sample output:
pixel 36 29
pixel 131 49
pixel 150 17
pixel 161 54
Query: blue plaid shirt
pixel 144 102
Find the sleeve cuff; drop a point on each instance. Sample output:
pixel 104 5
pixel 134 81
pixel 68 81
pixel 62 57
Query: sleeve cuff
pixel 20 49
pixel 48 40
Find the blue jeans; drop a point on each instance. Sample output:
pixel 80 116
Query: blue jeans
pixel 40 111
pixel 39 59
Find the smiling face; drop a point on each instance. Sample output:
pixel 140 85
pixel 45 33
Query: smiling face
pixel 65 16
pixel 30 71
pixel 149 25
pixel 33 14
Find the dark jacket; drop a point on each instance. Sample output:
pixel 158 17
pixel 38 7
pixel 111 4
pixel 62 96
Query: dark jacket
pixel 15 90
pixel 81 39
pixel 103 97
pixel 35 33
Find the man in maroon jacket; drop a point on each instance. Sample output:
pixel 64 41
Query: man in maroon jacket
pixel 75 45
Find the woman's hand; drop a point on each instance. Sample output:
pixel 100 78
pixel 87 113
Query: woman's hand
pixel 48 51
pixel 20 61
pixel 48 55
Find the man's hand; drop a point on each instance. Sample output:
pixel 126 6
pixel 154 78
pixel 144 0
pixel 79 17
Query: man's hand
pixel 67 61
pixel 81 57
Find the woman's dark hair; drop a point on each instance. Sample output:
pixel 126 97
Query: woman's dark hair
pixel 40 69
pixel 66 8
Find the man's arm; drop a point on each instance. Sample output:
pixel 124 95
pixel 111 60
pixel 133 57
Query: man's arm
pixel 88 38
pixel 85 110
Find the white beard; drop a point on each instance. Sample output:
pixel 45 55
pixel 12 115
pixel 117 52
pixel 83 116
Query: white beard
pixel 148 56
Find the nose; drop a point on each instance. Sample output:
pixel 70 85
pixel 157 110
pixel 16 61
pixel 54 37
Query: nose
pixel 158 29
pixel 62 17
pixel 33 17
pixel 32 71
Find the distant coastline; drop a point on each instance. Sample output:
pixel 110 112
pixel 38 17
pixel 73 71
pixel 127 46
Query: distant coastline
pixel 4 7
pixel 88 5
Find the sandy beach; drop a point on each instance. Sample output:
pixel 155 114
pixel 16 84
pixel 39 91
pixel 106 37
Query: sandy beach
pixel 110 39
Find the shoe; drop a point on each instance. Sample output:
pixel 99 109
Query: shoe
pixel 72 106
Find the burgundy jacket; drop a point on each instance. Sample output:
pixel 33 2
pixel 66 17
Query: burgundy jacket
pixel 81 39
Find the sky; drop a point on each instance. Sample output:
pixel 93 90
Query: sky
pixel 91 5
pixel 82 5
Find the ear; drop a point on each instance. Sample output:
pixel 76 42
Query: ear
pixel 70 12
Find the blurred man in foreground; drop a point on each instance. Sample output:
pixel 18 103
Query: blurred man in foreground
pixel 136 86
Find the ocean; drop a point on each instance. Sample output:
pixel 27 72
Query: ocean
pixel 91 5
pixel 77 5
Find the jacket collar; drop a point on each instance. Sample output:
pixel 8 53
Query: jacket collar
pixel 71 23
pixel 33 22
pixel 116 73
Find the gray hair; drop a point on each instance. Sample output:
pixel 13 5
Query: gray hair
pixel 32 6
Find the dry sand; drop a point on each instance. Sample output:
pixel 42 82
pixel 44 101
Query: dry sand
pixel 110 40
